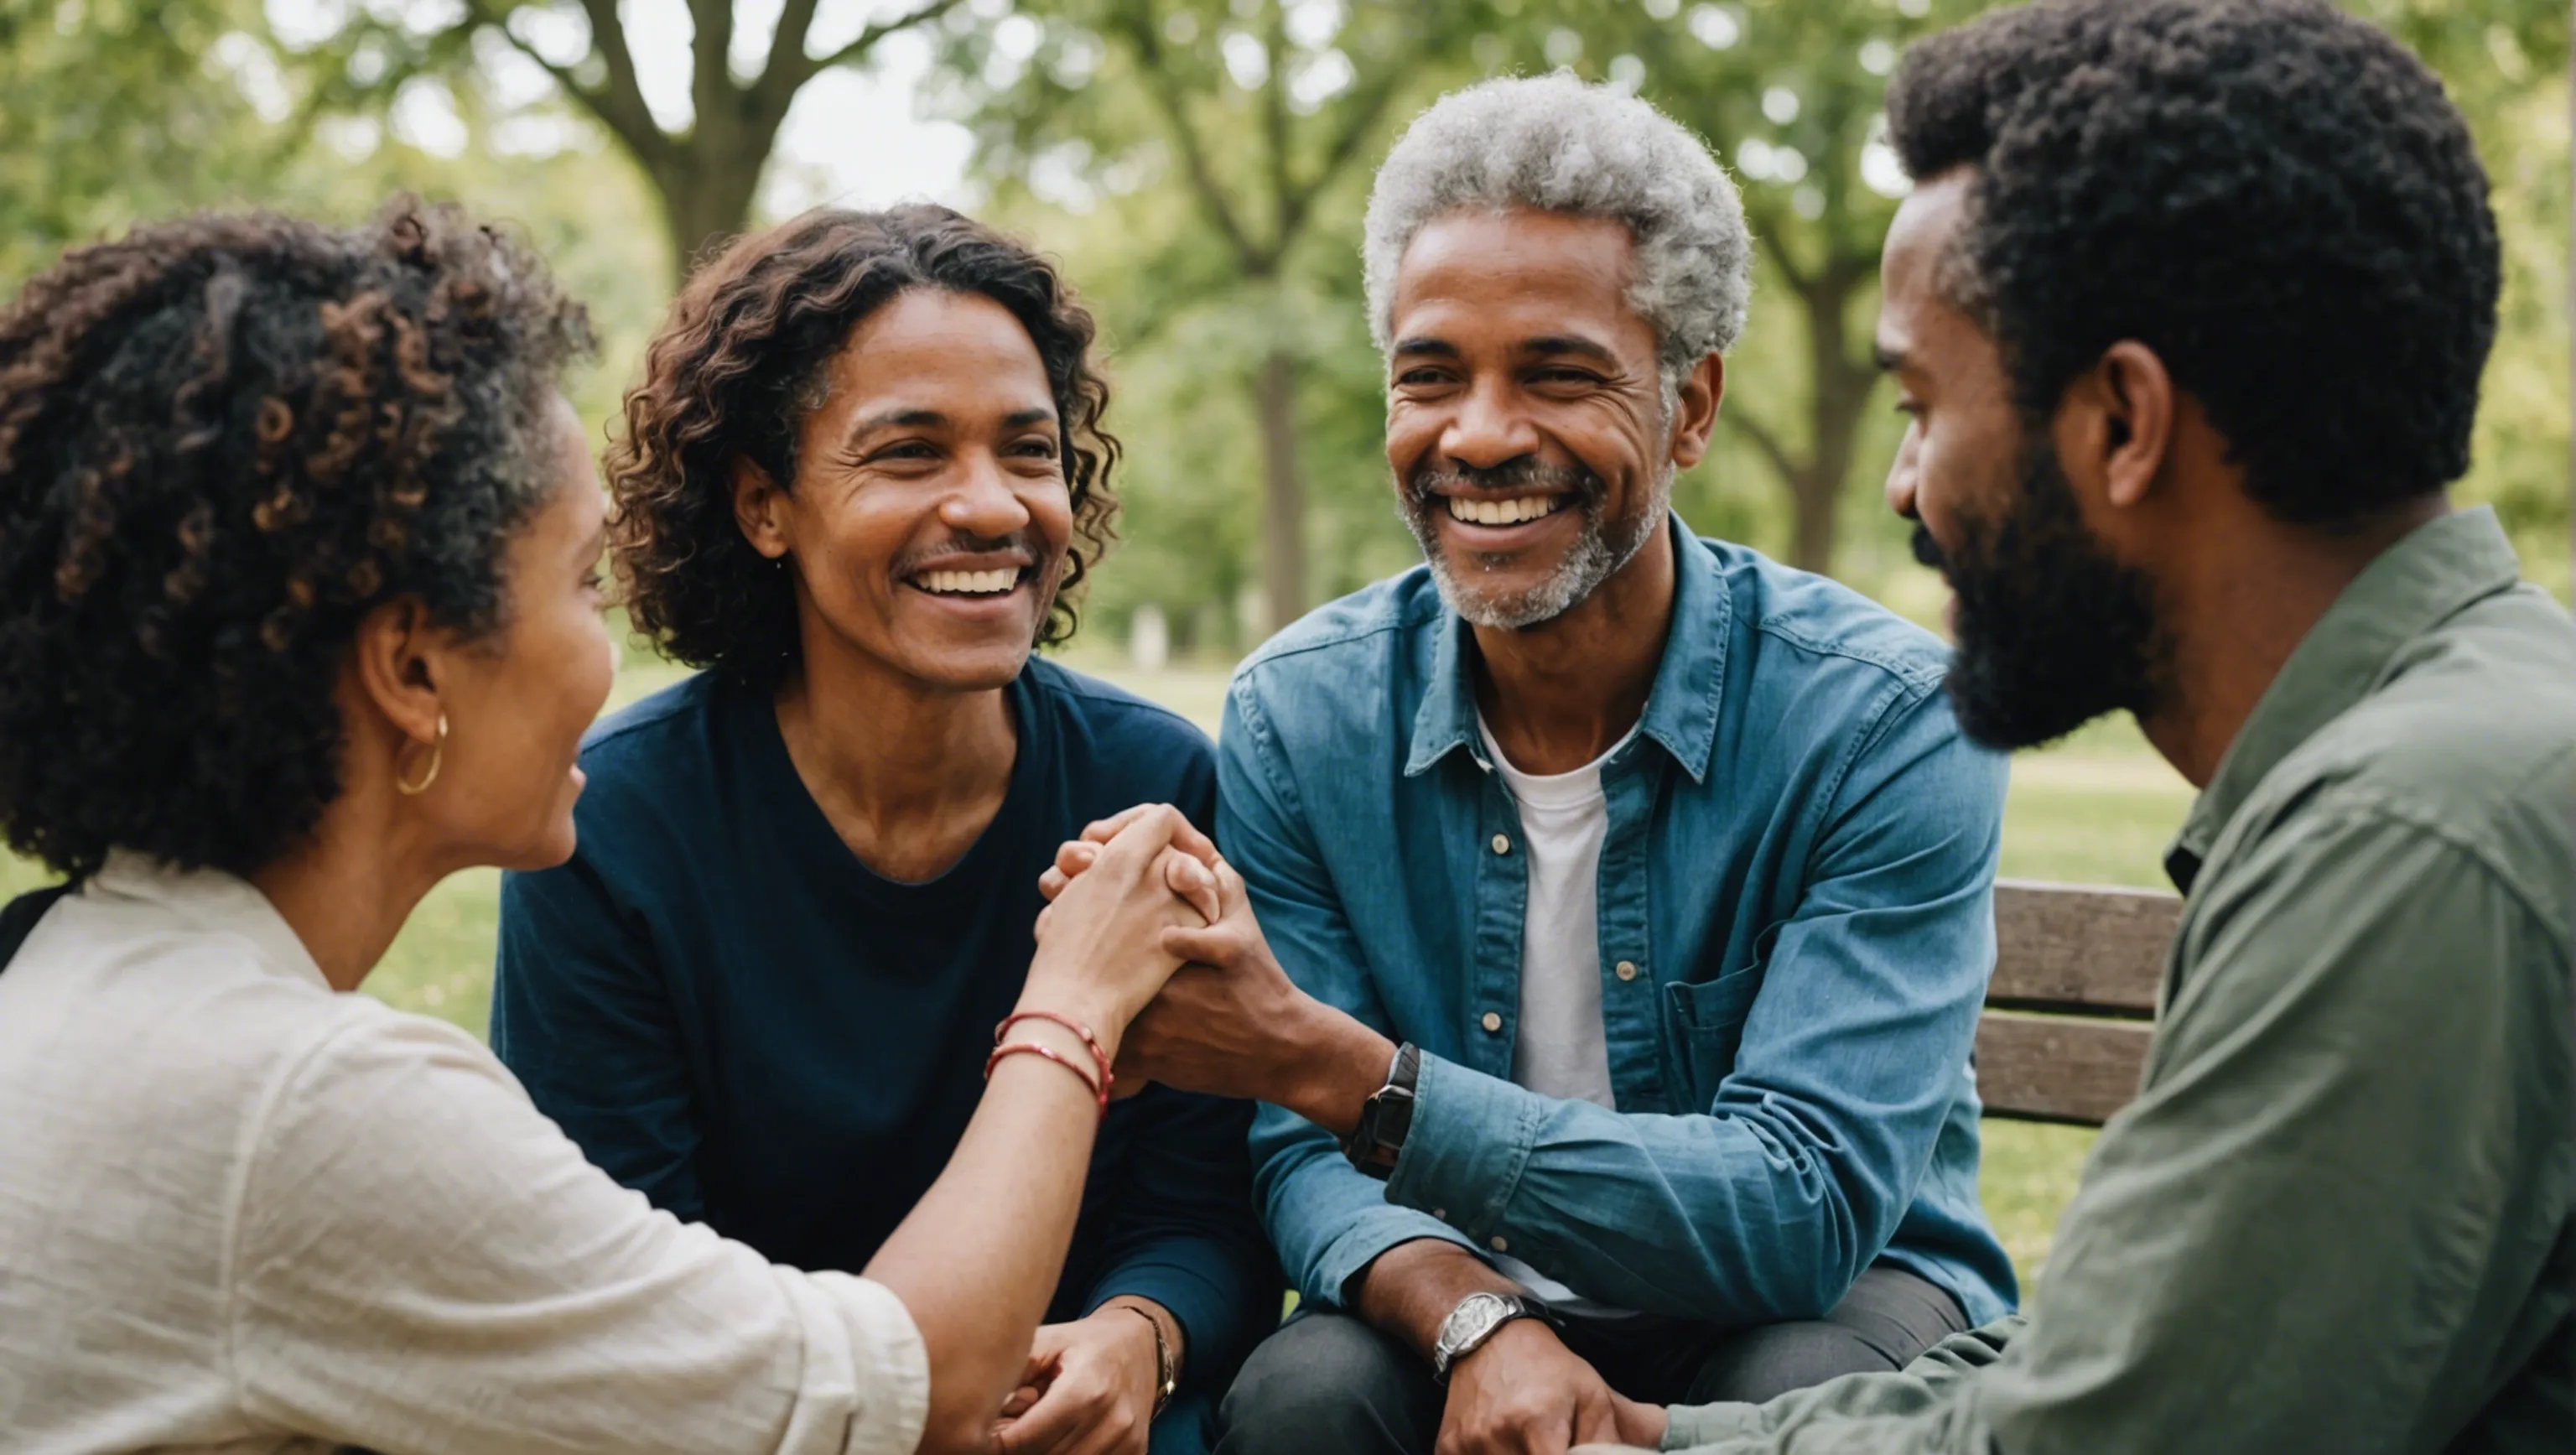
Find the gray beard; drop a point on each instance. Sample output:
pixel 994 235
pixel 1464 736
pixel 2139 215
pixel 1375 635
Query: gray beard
pixel 1597 556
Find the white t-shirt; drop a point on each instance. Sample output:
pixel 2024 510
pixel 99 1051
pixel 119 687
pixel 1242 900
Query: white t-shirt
pixel 1562 1049
pixel 240 1212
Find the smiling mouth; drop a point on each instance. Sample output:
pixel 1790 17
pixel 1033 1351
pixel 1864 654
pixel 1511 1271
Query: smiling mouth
pixel 1505 510
pixel 1000 581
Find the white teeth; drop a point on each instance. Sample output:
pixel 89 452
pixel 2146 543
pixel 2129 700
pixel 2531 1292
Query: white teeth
pixel 1511 510
pixel 968 583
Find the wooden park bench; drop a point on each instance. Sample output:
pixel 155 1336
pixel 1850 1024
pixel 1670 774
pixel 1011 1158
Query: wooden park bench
pixel 2073 999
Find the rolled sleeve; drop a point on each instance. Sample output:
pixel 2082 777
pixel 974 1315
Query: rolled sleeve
pixel 1471 1137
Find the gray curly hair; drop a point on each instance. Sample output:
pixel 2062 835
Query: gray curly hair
pixel 1555 144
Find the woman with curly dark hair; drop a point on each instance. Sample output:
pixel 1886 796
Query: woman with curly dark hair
pixel 864 466
pixel 299 614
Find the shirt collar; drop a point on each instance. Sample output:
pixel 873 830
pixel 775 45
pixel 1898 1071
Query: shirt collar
pixel 2428 576
pixel 1681 708
pixel 206 899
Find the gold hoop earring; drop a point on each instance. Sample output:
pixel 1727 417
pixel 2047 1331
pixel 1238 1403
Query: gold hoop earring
pixel 437 756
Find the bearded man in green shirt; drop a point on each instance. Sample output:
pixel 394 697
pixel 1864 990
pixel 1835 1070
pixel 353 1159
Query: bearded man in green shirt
pixel 2187 310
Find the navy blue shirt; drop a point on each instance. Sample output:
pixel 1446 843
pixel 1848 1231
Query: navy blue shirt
pixel 734 1015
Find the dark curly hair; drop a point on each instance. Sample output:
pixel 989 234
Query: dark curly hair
pixel 738 366
pixel 2273 195
pixel 223 441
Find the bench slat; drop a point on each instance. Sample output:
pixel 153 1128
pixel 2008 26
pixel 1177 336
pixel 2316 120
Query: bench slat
pixel 2052 1069
pixel 2085 951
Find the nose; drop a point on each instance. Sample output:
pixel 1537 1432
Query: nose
pixel 984 502
pixel 1902 479
pixel 1488 429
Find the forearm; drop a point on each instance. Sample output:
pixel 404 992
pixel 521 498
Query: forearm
pixel 1326 1066
pixel 1411 1289
pixel 1740 1215
pixel 977 1260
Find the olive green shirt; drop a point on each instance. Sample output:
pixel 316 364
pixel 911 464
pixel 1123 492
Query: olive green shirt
pixel 2337 1217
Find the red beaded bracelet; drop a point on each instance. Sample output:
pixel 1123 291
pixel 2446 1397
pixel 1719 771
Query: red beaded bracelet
pixel 1099 1057
pixel 1033 1048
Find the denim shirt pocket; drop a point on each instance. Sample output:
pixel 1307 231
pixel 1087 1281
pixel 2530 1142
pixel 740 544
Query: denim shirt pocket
pixel 1704 1024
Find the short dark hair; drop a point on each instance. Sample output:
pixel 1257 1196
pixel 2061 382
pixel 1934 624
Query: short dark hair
pixel 223 441
pixel 2274 196
pixel 739 365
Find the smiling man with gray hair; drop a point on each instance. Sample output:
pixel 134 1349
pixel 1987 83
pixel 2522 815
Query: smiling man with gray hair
pixel 1629 892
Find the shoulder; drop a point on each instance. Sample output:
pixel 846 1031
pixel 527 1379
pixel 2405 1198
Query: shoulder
pixel 1117 748
pixel 1350 670
pixel 2470 739
pixel 1361 629
pixel 1812 622
pixel 1109 711
pixel 653 727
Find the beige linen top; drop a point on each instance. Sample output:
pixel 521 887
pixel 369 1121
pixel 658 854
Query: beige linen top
pixel 241 1212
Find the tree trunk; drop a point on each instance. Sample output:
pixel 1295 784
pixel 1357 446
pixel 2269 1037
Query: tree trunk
pixel 706 194
pixel 1283 490
pixel 1838 392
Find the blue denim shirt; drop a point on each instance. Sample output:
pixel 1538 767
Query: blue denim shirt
pixel 1796 927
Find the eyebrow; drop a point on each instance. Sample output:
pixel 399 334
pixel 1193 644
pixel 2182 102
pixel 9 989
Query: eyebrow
pixel 932 419
pixel 1544 344
pixel 1569 344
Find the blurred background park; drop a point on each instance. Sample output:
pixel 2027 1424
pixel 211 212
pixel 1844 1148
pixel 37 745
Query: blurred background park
pixel 1199 167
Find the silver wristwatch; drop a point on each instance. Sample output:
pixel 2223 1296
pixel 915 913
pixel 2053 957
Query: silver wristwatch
pixel 1477 1318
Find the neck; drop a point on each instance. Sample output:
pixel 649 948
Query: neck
pixel 1557 695
pixel 2250 592
pixel 907 772
pixel 348 889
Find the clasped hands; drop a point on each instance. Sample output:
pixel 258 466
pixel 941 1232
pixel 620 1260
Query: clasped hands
pixel 1228 1022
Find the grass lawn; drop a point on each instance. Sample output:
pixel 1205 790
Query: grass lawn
pixel 2096 809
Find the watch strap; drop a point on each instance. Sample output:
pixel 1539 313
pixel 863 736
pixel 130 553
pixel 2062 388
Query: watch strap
pixel 1378 1139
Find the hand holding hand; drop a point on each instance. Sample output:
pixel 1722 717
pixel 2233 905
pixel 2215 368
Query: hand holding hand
pixel 1230 1022
pixel 1525 1393
pixel 1089 1389
pixel 1101 953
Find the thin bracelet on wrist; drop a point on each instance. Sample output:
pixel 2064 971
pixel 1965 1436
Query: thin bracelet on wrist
pixel 1166 1377
pixel 1099 1089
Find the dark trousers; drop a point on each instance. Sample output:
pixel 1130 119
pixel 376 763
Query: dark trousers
pixel 1330 1382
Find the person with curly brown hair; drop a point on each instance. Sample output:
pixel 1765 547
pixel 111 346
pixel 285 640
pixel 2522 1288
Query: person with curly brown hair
pixel 300 614
pixel 864 467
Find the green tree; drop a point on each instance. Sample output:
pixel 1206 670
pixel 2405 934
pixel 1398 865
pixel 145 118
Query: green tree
pixel 705 171
pixel 119 109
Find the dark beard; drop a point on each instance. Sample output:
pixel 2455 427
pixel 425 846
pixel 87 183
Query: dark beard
pixel 2053 632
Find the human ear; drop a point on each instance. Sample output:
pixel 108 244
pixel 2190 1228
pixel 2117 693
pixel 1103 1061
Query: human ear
pixel 2115 424
pixel 1695 411
pixel 760 509
pixel 398 659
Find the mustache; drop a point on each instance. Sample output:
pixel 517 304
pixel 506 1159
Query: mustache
pixel 1525 473
pixel 1927 551
pixel 1022 542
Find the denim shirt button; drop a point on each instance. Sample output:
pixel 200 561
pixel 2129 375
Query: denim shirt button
pixel 1627 969
pixel 1492 1021
pixel 1499 1244
pixel 1502 844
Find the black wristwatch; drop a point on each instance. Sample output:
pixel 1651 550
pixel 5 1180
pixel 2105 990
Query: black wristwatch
pixel 1378 1140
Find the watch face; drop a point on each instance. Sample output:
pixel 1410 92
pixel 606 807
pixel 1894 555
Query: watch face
pixel 1476 1316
